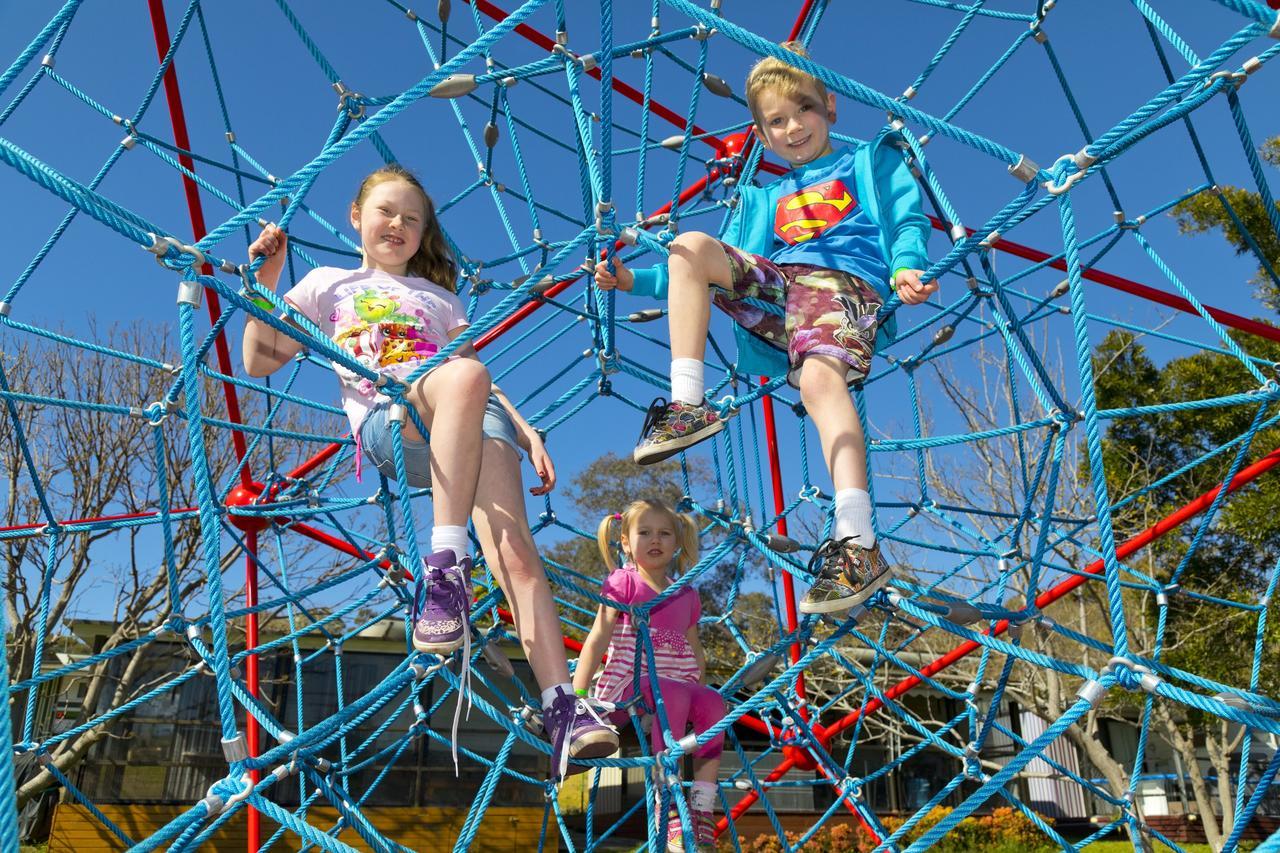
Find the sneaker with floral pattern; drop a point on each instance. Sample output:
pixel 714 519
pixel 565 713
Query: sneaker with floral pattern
pixel 847 575
pixel 672 427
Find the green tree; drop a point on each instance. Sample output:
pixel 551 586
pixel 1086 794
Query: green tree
pixel 1207 212
pixel 1234 554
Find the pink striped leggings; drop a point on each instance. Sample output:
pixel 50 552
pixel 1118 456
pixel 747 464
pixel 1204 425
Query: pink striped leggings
pixel 685 703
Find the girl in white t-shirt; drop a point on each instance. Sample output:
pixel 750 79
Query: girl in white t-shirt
pixel 396 311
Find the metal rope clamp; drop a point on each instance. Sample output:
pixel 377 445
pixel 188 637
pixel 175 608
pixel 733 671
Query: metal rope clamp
pixel 1082 160
pixel 1133 676
pixel 345 100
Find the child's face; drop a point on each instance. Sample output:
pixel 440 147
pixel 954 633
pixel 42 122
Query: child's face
pixel 391 222
pixel 651 541
pixel 796 127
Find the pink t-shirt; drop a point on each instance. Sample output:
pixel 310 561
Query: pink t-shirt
pixel 388 323
pixel 669 625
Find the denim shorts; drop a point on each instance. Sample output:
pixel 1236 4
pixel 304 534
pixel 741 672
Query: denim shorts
pixel 375 438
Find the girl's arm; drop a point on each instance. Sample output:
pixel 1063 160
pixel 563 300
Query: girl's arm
pixel 531 440
pixel 699 653
pixel 264 350
pixel 593 648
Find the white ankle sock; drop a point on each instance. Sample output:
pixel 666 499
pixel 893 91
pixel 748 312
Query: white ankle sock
pixel 686 380
pixel 549 695
pixel 702 796
pixel 853 517
pixel 449 536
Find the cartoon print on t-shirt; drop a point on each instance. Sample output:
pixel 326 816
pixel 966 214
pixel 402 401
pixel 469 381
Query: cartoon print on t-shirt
pixel 378 332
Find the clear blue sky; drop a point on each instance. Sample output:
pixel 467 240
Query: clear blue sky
pixel 282 107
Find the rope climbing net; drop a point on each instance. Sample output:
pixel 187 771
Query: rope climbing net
pixel 976 617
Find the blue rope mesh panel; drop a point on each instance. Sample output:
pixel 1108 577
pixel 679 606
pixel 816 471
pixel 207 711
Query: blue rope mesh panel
pixel 1027 604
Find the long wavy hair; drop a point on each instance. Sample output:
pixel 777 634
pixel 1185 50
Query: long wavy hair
pixel 434 259
pixel 614 529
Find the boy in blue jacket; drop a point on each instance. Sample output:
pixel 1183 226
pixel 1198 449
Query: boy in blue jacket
pixel 827 242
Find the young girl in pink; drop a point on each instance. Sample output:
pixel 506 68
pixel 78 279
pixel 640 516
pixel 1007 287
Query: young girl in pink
pixel 656 540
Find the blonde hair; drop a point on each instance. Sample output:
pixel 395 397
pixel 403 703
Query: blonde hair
pixel 774 75
pixel 434 259
pixel 613 531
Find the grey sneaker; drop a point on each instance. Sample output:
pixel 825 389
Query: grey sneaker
pixel 442 603
pixel 672 427
pixel 576 730
pixel 847 575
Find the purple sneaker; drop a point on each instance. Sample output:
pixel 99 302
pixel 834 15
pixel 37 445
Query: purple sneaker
pixel 442 603
pixel 577 731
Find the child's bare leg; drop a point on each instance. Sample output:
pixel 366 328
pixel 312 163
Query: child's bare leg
pixel 696 263
pixel 451 401
pixel 825 394
pixel 509 550
pixel 706 769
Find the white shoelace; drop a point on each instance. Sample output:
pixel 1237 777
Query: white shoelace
pixel 590 706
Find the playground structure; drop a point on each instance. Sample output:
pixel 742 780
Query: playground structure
pixel 508 68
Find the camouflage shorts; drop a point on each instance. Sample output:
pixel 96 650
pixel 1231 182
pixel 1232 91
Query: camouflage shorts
pixel 828 312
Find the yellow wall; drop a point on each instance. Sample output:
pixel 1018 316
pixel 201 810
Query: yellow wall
pixel 504 829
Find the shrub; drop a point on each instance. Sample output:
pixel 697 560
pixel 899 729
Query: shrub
pixel 1004 830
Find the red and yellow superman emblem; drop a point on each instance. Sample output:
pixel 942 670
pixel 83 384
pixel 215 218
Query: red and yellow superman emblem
pixel 808 212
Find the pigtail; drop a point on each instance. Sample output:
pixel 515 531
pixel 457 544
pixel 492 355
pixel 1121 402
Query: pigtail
pixel 607 539
pixel 687 540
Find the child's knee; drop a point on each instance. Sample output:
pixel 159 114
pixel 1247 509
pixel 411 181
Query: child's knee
pixel 466 376
pixel 818 379
pixel 695 247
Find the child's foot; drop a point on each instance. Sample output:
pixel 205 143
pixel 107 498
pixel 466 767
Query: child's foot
pixel 847 575
pixel 576 731
pixel 704 829
pixel 442 603
pixel 672 427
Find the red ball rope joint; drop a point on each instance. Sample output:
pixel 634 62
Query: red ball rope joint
pixel 246 495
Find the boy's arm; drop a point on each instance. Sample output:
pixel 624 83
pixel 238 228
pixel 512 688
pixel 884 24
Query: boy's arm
pixel 906 226
pixel 653 280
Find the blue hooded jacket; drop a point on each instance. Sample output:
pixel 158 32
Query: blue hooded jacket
pixel 887 193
